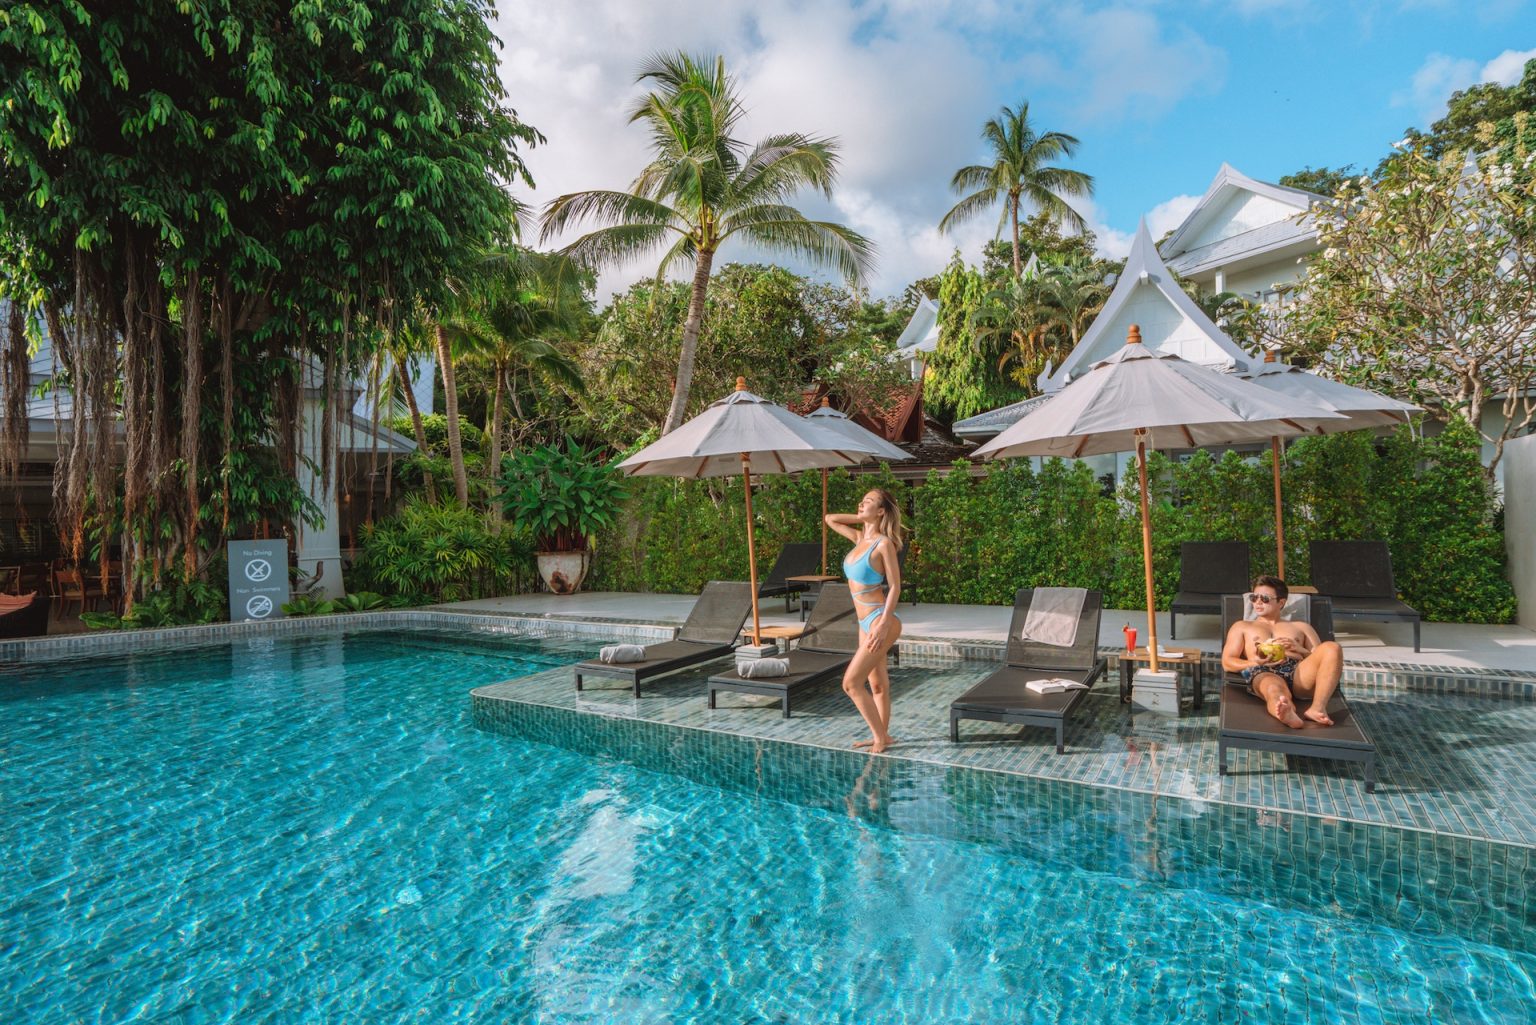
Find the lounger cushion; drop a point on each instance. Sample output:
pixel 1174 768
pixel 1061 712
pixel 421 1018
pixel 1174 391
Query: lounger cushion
pixel 1244 716
pixel 656 654
pixel 1006 690
pixel 803 666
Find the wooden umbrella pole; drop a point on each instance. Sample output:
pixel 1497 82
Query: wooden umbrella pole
pixel 1146 545
pixel 746 482
pixel 1274 447
pixel 823 521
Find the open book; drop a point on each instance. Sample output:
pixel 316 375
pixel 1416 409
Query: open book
pixel 1054 685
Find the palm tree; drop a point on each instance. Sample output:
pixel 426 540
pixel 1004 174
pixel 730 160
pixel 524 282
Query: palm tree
pixel 703 186
pixel 524 303
pixel 1029 321
pixel 1021 170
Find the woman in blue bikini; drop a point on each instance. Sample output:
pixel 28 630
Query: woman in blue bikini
pixel 874 577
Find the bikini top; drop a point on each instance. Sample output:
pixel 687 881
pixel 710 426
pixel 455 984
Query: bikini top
pixel 861 571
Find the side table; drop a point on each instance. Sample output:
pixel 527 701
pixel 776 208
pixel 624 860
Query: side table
pixel 781 635
pixel 1191 659
pixel 808 596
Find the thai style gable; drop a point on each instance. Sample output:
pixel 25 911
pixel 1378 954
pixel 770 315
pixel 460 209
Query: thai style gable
pixel 1243 224
pixel 1146 294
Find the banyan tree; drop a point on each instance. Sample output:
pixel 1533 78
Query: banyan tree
pixel 206 207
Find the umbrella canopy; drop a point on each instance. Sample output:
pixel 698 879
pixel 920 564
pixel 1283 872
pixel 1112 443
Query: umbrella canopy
pixel 1124 399
pixel 1140 389
pixel 857 437
pixel 732 435
pixel 743 427
pixel 1360 408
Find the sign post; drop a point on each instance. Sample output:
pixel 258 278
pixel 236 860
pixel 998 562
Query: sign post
pixel 258 579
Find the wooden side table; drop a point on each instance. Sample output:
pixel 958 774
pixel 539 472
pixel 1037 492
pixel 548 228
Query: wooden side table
pixel 1192 659
pixel 808 596
pixel 781 635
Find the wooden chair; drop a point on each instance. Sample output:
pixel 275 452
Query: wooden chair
pixel 68 586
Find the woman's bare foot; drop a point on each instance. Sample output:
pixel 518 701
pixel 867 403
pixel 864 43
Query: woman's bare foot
pixel 1318 715
pixel 879 746
pixel 889 741
pixel 1281 708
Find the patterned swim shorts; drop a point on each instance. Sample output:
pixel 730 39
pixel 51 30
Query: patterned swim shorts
pixel 1285 670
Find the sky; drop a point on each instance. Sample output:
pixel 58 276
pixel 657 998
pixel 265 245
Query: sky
pixel 1159 93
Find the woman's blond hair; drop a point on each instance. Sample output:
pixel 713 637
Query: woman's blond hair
pixel 889 522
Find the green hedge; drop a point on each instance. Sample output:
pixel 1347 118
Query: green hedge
pixel 978 536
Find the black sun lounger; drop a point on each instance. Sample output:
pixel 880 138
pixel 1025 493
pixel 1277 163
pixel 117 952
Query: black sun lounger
pixel 1246 722
pixel 796 559
pixel 1207 570
pixel 830 640
pixel 1005 697
pixel 1357 576
pixel 710 632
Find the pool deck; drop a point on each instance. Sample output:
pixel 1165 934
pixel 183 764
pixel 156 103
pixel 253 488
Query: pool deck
pixel 1455 725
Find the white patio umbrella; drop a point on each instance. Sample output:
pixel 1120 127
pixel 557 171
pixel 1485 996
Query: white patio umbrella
pixel 876 447
pixel 1360 407
pixel 731 436
pixel 1124 399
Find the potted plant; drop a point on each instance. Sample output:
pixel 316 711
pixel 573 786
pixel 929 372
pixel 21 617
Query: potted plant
pixel 565 496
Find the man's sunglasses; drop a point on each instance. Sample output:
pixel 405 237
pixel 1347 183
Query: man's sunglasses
pixel 1257 598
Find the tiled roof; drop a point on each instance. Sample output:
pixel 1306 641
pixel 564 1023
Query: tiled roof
pixel 994 421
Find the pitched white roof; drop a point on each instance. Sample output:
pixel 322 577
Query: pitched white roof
pixel 1237 217
pixel 1146 294
pixel 922 332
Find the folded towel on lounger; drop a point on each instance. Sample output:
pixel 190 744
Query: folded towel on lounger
pixel 758 668
pixel 1053 615
pixel 622 653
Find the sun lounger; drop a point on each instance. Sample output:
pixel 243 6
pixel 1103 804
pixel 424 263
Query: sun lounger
pixel 1357 575
pixel 1005 695
pixel 1207 570
pixel 830 640
pixel 710 632
pixel 795 560
pixel 1246 722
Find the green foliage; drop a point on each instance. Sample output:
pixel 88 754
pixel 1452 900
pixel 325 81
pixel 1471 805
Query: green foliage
pixel 434 554
pixel 1325 181
pixel 976 538
pixel 179 604
pixel 360 601
pixel 962 380
pixel 1478 117
pixel 309 605
pixel 563 497
pixel 1456 241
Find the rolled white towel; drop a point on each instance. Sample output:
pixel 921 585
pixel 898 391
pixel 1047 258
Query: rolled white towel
pixel 622 653
pixel 759 668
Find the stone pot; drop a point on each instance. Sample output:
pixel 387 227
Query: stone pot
pixel 563 572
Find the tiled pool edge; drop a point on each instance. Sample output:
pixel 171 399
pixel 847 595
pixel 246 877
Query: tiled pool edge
pixel 494 708
pixel 1382 675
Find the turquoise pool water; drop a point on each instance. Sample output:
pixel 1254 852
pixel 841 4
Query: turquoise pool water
pixel 324 831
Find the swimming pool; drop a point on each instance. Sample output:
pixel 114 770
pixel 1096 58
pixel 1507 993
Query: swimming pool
pixel 323 830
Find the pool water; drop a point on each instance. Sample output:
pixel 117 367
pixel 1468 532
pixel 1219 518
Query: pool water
pixel 322 830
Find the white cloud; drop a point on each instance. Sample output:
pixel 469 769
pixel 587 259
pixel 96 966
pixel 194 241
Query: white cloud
pixel 1129 65
pixel 1441 75
pixel 905 86
pixel 1113 244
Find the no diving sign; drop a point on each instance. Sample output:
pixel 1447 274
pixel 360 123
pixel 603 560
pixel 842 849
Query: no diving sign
pixel 258 579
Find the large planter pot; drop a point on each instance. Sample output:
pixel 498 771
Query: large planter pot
pixel 563 572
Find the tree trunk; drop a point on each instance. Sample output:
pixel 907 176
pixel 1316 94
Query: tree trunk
pixel 496 417
pixel 685 359
pixel 451 412
pixel 1013 209
pixel 421 432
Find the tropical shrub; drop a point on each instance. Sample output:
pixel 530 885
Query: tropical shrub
pixel 431 553
pixel 563 497
pixel 978 537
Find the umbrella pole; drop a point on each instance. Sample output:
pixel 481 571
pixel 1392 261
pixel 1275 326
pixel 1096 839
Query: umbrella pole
pixel 1274 447
pixel 746 482
pixel 1146 545
pixel 823 521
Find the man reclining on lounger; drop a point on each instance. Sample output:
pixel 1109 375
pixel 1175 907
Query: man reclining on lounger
pixel 1283 661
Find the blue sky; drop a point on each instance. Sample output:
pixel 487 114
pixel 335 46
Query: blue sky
pixel 1159 93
